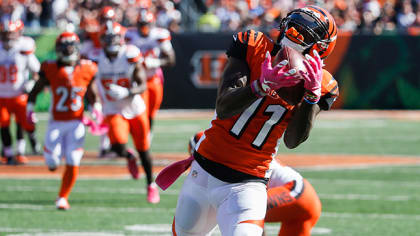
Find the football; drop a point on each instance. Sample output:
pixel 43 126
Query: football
pixel 292 95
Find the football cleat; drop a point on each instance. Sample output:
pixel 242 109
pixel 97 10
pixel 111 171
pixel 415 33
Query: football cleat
pixel 62 204
pixel 20 159
pixel 153 193
pixel 9 161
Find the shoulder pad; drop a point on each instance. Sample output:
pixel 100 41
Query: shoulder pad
pixel 329 84
pixel 27 45
pixel 162 34
pixel 133 54
pixel 249 37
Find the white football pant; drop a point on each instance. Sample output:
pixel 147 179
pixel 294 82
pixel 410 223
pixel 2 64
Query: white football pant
pixel 205 201
pixel 64 138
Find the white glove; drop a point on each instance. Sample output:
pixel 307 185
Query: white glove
pixel 118 92
pixel 152 63
pixel 27 87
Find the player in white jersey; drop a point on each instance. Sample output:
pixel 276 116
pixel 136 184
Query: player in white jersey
pixel 120 80
pixel 17 64
pixel 155 44
pixel 91 49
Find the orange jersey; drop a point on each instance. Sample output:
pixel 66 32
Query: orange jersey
pixel 68 87
pixel 247 142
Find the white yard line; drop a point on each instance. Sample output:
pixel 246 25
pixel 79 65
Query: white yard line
pixel 34 207
pixel 139 190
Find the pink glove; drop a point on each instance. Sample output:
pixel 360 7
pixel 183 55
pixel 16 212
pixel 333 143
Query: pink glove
pixel 313 77
pixel 94 128
pixel 168 175
pixel 274 78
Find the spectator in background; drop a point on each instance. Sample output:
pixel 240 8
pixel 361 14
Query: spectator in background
pixel 414 29
pixel 208 22
pixel 406 16
pixel 46 17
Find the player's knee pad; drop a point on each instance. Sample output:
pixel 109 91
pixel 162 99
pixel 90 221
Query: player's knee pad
pixel 73 157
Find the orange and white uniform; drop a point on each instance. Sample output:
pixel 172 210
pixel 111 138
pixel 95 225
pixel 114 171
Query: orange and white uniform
pixel 227 184
pixel 292 201
pixel 252 136
pixel 151 47
pixel 16 65
pixel 126 115
pixel 66 132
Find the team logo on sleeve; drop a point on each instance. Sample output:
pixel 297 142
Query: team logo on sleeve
pixel 207 68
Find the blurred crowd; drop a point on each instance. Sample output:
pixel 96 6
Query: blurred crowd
pixel 357 16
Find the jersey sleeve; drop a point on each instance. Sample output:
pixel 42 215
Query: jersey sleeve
pixel 27 46
pixel 329 91
pixel 133 54
pixel 33 63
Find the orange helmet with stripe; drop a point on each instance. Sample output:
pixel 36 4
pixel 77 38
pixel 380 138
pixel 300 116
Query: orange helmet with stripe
pixel 67 47
pixel 112 37
pixel 10 31
pixel 309 28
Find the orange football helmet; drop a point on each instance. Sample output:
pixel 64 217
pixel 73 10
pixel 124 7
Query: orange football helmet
pixel 107 14
pixel 112 37
pixel 67 47
pixel 311 28
pixel 144 19
pixel 10 31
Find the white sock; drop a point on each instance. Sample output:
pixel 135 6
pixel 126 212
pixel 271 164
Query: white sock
pixel 21 144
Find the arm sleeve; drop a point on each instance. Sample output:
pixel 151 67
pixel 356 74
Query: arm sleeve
pixel 33 63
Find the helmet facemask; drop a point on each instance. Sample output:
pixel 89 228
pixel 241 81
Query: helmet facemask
pixel 67 51
pixel 112 43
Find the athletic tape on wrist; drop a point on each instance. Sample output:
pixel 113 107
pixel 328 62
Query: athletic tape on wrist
pixel 256 89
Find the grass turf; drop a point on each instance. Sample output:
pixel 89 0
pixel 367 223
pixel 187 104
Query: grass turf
pixel 366 201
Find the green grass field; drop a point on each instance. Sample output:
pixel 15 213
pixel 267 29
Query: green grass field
pixel 376 200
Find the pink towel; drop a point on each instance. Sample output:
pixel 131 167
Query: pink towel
pixel 94 128
pixel 168 175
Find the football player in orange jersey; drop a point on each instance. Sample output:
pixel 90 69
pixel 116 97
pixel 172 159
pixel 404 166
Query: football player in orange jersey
pixel 291 199
pixel 17 63
pixel 70 80
pixel 231 167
